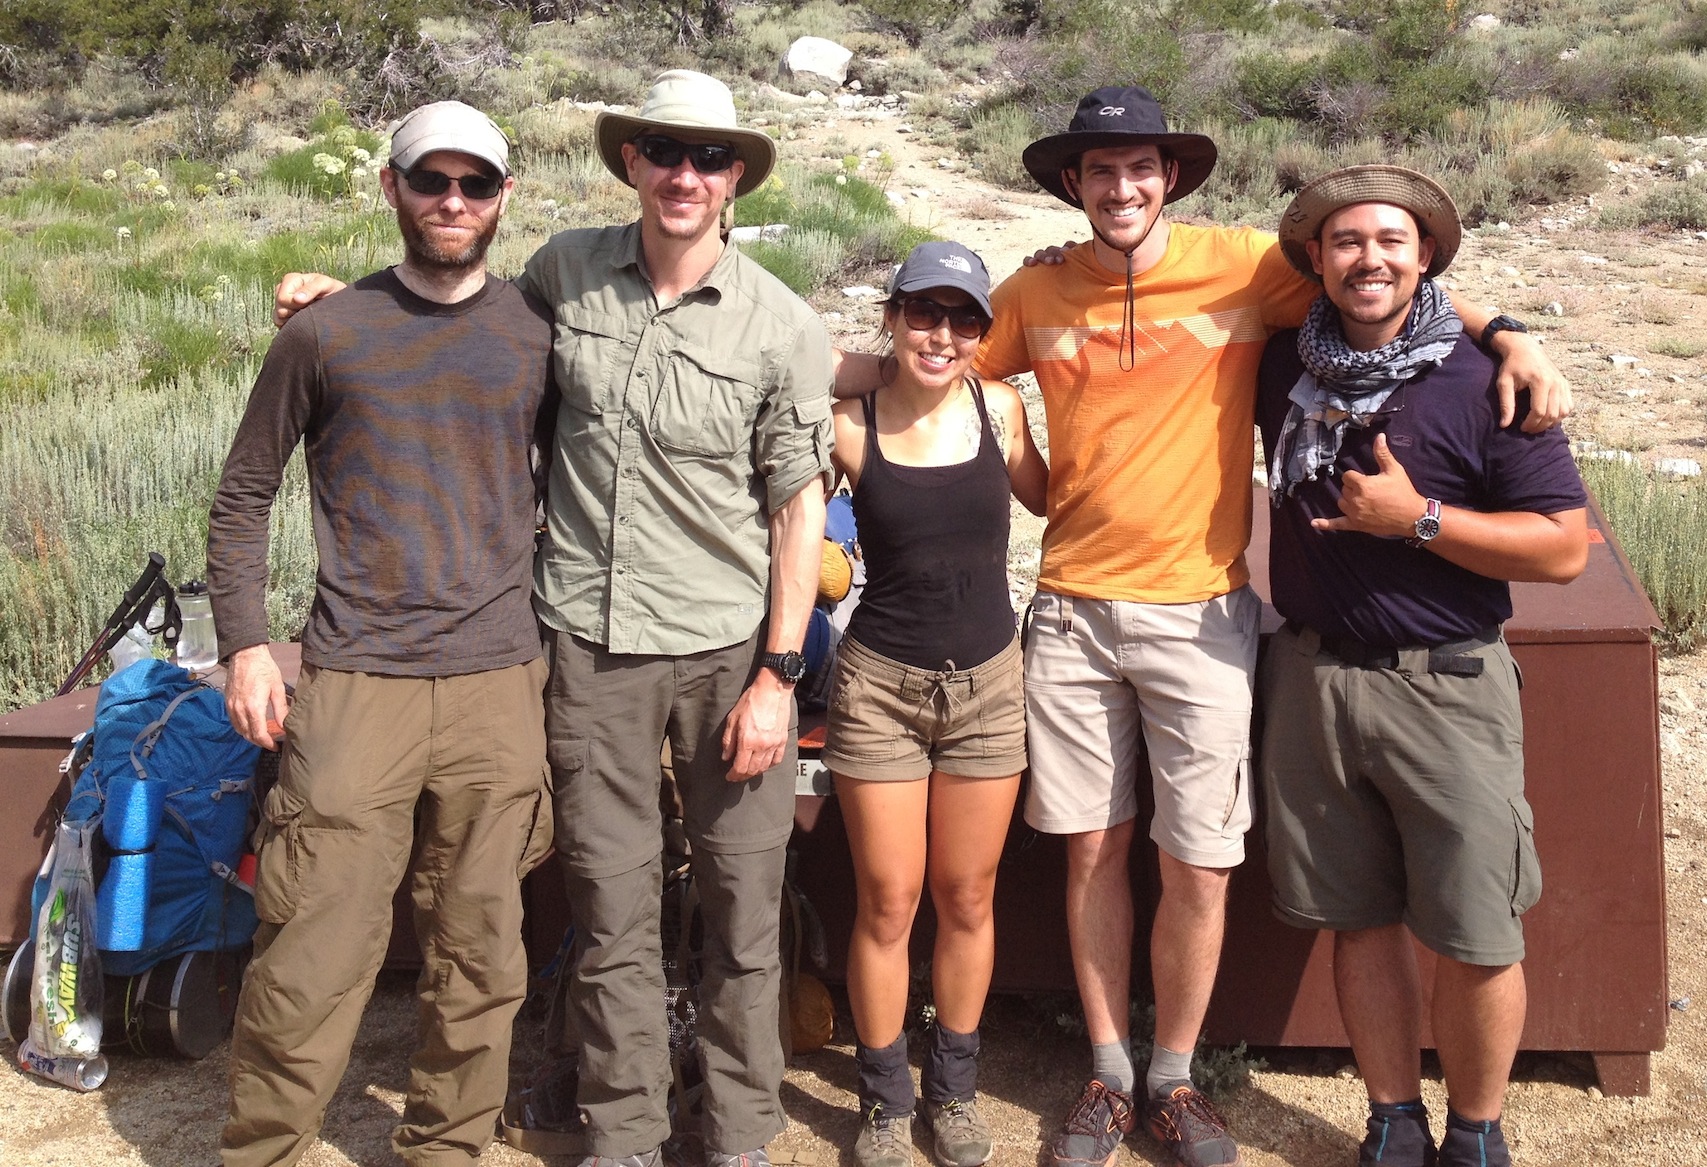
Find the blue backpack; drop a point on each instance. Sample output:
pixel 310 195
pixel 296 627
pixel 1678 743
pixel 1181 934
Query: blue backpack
pixel 170 783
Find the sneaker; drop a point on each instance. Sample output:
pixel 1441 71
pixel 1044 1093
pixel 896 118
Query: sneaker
pixel 1192 1129
pixel 1092 1131
pixel 885 1140
pixel 652 1158
pixel 1401 1141
pixel 959 1136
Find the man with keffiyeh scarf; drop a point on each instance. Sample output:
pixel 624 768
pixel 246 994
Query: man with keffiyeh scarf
pixel 1392 750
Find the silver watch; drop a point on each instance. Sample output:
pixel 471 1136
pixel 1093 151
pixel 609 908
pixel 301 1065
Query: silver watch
pixel 1428 526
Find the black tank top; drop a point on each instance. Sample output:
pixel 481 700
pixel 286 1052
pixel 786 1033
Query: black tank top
pixel 935 540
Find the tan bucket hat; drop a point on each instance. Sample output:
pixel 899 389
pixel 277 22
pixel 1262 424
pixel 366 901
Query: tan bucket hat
pixel 1417 193
pixel 693 108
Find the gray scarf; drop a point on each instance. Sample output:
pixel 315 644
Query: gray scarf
pixel 1342 386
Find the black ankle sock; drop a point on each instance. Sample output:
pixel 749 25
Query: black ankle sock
pixel 1397 1133
pixel 1473 1142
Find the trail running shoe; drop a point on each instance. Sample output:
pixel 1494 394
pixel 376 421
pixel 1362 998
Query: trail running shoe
pixel 959 1136
pixel 1192 1129
pixel 756 1158
pixel 650 1159
pixel 885 1140
pixel 1092 1131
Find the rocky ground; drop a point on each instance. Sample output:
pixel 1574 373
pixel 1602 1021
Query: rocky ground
pixel 1598 296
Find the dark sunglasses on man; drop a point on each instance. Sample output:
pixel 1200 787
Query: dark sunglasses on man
pixel 707 157
pixel 433 183
pixel 923 315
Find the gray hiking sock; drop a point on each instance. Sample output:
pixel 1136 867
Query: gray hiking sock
pixel 1111 1065
pixel 1167 1068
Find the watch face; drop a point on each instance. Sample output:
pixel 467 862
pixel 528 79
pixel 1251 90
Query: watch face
pixel 1428 527
pixel 793 666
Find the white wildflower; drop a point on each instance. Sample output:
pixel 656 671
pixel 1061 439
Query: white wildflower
pixel 123 233
pixel 109 174
pixel 327 164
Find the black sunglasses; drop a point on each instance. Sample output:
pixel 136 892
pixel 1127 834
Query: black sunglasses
pixel 707 157
pixel 478 187
pixel 923 315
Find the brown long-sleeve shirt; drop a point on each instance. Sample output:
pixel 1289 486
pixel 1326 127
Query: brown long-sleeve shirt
pixel 416 419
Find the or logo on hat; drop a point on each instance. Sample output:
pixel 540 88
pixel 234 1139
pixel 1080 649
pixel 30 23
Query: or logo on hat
pixel 1117 111
pixel 957 262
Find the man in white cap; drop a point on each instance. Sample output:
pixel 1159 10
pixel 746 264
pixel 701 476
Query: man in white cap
pixel 416 724
pixel 1393 742
pixel 681 561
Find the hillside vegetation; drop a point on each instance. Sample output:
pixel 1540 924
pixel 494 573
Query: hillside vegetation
pixel 167 162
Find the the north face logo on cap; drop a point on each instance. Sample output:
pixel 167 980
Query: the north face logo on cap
pixel 1112 111
pixel 957 262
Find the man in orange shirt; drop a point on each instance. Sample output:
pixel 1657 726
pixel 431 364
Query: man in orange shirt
pixel 1146 344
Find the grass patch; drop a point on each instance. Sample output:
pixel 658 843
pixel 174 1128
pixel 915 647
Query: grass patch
pixel 1681 206
pixel 1662 525
pixel 839 225
pixel 1683 348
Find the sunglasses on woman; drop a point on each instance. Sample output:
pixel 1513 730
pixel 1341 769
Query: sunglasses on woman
pixel 923 315
pixel 432 183
pixel 707 157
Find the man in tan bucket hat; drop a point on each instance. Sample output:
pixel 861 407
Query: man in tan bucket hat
pixel 1392 749
pixel 684 520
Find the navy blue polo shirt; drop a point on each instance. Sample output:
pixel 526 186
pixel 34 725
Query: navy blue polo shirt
pixel 1443 427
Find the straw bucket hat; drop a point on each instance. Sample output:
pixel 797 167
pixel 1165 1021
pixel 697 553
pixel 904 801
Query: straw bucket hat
pixel 1417 193
pixel 693 108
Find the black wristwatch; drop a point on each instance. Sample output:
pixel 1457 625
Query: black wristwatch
pixel 1502 323
pixel 790 666
pixel 1428 526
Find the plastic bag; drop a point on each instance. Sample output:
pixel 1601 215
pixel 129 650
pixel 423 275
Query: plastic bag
pixel 65 993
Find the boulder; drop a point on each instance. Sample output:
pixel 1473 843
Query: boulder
pixel 814 60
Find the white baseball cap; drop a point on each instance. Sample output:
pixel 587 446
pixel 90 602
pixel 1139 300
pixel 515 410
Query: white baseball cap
pixel 448 125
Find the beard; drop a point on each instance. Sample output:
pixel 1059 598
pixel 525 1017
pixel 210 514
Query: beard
pixel 426 254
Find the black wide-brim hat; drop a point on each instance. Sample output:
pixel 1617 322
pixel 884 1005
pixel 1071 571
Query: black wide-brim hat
pixel 1119 115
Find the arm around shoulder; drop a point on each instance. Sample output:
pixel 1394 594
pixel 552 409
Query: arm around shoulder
pixel 1027 471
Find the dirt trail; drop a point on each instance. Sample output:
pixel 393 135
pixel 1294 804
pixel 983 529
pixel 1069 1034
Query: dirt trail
pixel 1305 1110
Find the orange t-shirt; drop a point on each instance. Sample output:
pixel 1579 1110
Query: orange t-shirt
pixel 1149 468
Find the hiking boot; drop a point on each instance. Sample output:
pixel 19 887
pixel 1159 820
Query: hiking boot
pixel 652 1158
pixel 1192 1129
pixel 959 1137
pixel 885 1140
pixel 1092 1130
pixel 1400 1140
pixel 1473 1144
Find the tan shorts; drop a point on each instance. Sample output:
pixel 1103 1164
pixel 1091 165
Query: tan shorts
pixel 891 722
pixel 1099 672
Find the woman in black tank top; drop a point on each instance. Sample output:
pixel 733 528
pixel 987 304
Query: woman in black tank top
pixel 926 735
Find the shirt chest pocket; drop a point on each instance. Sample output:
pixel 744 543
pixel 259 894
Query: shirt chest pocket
pixel 707 404
pixel 587 351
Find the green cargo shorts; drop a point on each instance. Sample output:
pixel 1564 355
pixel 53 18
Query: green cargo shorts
pixel 1396 795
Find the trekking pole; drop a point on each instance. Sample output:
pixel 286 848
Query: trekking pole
pixel 150 587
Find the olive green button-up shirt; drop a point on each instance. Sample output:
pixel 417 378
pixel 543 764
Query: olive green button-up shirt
pixel 682 427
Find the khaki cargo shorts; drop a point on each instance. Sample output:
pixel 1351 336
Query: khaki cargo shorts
pixel 891 722
pixel 1100 672
pixel 1396 795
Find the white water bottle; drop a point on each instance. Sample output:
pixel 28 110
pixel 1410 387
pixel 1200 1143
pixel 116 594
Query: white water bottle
pixel 198 643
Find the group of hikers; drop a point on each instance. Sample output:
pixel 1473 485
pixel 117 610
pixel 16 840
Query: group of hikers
pixel 470 702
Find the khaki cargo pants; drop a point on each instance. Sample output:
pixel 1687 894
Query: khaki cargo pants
pixel 366 757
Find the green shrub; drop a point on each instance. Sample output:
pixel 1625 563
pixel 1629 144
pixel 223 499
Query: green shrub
pixel 1662 526
pixel 911 20
pixel 999 135
pixel 1681 205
